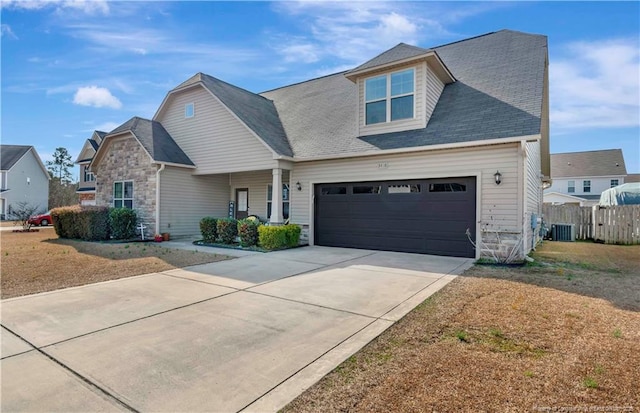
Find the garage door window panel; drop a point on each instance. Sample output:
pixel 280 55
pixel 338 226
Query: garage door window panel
pixel 367 189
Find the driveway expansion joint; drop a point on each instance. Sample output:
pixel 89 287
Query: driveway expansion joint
pixel 95 387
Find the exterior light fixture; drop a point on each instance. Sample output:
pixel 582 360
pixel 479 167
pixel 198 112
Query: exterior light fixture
pixel 498 177
pixel 298 186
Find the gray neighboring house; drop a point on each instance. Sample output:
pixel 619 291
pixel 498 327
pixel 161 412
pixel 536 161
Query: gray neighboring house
pixel 406 152
pixel 23 178
pixel 580 177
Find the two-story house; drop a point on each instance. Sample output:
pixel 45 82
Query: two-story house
pixel 580 177
pixel 416 150
pixel 23 178
pixel 87 181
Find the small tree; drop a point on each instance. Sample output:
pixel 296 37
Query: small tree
pixel 21 212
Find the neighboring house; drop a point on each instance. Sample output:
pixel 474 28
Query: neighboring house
pixel 402 153
pixel 580 177
pixel 630 178
pixel 23 178
pixel 87 181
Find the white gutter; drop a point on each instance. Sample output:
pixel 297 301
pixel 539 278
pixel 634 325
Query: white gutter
pixel 457 145
pixel 158 197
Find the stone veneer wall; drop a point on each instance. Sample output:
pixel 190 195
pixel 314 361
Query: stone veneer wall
pixel 126 160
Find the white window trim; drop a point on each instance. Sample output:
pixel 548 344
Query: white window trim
pixel 569 186
pixel 193 110
pixel 88 174
pixel 388 97
pixel 584 186
pixel 611 183
pixel 113 203
pixel 288 201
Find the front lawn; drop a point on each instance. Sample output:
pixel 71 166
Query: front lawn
pixel 563 333
pixel 40 261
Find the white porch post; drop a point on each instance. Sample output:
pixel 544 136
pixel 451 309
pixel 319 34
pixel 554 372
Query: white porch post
pixel 276 198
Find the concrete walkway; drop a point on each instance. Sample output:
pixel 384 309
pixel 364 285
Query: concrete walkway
pixel 248 334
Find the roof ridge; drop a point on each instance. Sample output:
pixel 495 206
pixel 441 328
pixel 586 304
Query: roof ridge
pixel 235 87
pixel 593 150
pixel 304 81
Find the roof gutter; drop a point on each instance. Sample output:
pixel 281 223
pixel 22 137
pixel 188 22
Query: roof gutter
pixel 457 145
pixel 158 197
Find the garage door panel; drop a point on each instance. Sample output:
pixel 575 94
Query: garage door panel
pixel 432 218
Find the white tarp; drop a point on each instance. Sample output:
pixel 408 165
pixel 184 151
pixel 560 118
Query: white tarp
pixel 625 194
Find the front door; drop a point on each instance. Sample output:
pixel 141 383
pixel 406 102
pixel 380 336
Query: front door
pixel 242 203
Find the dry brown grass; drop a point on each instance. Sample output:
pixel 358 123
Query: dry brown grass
pixel 39 261
pixel 562 334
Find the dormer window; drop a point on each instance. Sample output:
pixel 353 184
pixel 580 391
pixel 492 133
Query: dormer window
pixel 390 97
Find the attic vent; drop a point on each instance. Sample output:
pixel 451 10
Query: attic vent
pixel 563 232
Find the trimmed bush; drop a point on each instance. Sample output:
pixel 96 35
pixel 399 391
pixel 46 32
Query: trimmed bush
pixel 209 229
pixel 123 223
pixel 227 230
pixel 293 234
pixel 248 232
pixel 66 222
pixel 273 238
pixel 89 223
pixel 94 223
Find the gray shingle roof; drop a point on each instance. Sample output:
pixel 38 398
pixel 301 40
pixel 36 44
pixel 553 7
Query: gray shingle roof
pixel 255 111
pixel 398 52
pixel 155 139
pixel 498 94
pixel 10 154
pixel 94 144
pixel 585 164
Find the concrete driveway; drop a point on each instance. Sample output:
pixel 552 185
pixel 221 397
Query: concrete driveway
pixel 248 334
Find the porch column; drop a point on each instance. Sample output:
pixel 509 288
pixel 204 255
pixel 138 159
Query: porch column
pixel 276 198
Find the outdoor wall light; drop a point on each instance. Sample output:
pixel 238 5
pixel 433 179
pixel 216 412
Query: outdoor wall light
pixel 298 186
pixel 498 177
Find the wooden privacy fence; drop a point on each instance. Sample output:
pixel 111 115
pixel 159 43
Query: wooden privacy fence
pixel 613 225
pixel 581 217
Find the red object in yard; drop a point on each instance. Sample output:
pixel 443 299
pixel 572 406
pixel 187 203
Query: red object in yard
pixel 42 219
pixel 158 238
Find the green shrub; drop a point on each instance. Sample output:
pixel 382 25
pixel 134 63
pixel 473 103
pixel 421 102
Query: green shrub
pixel 293 234
pixel 248 232
pixel 95 223
pixel 209 229
pixel 123 223
pixel 227 230
pixel 65 221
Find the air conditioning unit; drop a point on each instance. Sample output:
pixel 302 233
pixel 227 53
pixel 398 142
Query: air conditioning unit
pixel 563 232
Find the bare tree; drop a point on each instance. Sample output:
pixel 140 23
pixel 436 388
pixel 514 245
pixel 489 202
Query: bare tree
pixel 21 212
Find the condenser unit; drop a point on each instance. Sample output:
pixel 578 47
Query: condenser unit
pixel 563 232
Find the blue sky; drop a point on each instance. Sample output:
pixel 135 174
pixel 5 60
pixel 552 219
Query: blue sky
pixel 72 66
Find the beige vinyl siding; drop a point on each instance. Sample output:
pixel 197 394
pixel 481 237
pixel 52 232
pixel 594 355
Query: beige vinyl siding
pixel 419 120
pixel 498 204
pixel 433 87
pixel 81 182
pixel 533 194
pixel 186 198
pixel 213 138
pixel 256 182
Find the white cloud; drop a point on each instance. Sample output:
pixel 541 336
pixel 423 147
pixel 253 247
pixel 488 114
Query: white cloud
pixel 300 52
pixel 105 127
pixel 5 30
pixel 97 97
pixel 91 7
pixel 596 84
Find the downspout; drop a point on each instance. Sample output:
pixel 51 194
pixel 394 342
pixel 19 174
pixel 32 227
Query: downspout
pixel 158 197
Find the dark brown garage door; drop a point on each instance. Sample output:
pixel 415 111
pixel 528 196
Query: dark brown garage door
pixel 428 216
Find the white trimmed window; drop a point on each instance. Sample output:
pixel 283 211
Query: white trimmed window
pixel 614 183
pixel 285 200
pixel 88 175
pixel 189 110
pixel 123 194
pixel 390 97
pixel 571 187
pixel 586 186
